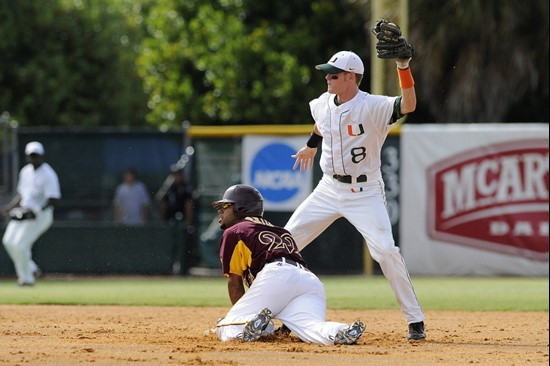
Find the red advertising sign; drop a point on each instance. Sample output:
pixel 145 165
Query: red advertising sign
pixel 493 198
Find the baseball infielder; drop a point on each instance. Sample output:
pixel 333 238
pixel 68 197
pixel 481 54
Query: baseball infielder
pixel 30 212
pixel 280 285
pixel 352 126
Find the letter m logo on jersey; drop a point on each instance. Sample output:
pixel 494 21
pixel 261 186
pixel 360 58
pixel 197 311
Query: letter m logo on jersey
pixel 493 198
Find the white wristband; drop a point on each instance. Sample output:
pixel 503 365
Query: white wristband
pixel 403 63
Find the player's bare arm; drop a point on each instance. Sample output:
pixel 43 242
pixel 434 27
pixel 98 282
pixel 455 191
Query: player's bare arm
pixel 235 287
pixel 408 100
pixel 13 203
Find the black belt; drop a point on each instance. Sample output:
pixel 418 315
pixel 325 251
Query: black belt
pixel 290 261
pixel 348 179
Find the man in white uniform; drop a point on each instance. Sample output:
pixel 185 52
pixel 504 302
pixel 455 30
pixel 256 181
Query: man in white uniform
pixel 353 126
pixel 30 212
pixel 265 256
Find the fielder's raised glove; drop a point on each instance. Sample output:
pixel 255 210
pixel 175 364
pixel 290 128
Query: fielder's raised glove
pixel 391 43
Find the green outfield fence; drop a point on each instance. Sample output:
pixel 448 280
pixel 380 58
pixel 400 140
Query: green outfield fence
pixel 339 250
pixel 84 240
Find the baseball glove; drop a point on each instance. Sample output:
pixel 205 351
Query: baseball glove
pixel 21 213
pixel 391 43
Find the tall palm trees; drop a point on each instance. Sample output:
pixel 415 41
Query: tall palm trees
pixel 477 61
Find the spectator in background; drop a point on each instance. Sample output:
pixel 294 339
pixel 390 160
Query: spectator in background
pixel 131 201
pixel 175 202
pixel 30 212
pixel 175 198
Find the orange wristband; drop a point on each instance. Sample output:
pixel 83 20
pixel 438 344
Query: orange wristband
pixel 405 78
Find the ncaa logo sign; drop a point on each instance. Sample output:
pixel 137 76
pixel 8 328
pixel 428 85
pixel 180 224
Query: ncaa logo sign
pixel 267 165
pixel 271 172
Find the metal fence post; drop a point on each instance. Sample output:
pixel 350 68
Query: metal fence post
pixel 9 147
pixel 4 121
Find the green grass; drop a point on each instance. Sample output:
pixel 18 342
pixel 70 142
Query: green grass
pixel 442 293
pixel 350 292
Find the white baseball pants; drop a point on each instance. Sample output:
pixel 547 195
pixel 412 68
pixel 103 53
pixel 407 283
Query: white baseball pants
pixel 295 296
pixel 364 206
pixel 19 239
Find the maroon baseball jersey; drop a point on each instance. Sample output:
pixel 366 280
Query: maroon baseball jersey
pixel 252 242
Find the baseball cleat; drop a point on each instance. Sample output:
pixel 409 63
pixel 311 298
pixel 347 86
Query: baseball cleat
pixel 254 328
pixel 416 332
pixel 351 334
pixel 25 284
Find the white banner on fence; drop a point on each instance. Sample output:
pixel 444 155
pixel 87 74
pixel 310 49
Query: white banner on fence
pixel 267 165
pixel 474 199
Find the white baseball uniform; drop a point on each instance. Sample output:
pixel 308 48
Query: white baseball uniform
pixel 35 188
pixel 352 186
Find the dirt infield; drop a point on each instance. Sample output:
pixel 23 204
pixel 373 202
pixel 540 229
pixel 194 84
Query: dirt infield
pixel 117 335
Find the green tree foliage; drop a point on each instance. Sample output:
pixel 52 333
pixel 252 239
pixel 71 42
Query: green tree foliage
pixel 70 63
pixel 481 61
pixel 119 62
pixel 243 61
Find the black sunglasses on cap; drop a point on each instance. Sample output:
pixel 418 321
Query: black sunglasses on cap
pixel 335 76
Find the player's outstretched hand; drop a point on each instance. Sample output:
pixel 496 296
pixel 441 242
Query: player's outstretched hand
pixel 304 158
